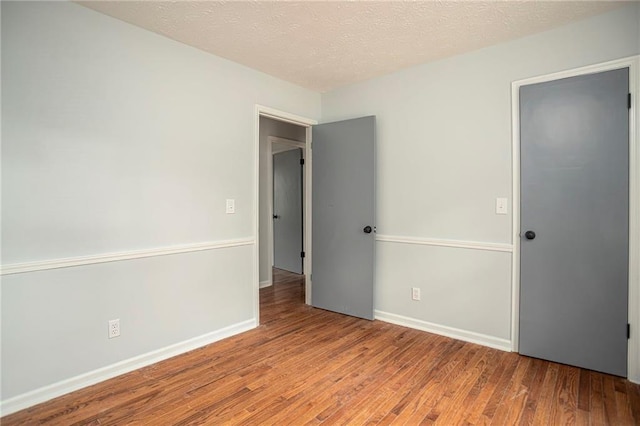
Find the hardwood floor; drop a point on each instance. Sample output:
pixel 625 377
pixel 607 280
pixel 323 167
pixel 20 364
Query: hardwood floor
pixel 306 366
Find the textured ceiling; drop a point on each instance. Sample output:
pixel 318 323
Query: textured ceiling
pixel 323 45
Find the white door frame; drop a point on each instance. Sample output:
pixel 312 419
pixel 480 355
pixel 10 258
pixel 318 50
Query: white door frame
pixel 633 63
pixel 263 111
pixel 306 201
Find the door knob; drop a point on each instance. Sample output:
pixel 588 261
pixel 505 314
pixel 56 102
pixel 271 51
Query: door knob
pixel 275 216
pixel 529 235
pixel 367 229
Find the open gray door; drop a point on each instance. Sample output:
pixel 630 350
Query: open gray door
pixel 343 223
pixel 287 210
pixel 575 221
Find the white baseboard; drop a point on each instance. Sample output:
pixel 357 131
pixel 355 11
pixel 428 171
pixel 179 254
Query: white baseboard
pixel 455 333
pixel 266 283
pixel 55 390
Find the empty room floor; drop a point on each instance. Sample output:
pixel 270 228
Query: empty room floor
pixel 305 366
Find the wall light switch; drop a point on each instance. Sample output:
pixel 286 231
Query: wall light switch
pixel 231 206
pixel 501 206
pixel 415 293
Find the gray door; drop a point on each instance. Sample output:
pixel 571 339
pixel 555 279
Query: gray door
pixel 343 221
pixel 575 199
pixel 287 210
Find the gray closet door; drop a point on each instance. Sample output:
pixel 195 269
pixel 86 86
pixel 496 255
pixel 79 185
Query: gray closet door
pixel 575 221
pixel 344 216
pixel 287 210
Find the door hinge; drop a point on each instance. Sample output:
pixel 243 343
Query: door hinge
pixel 302 254
pixel 628 331
pixel 302 161
pixel 629 101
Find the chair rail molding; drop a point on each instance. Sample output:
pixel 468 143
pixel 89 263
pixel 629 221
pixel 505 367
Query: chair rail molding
pixel 41 265
pixel 472 245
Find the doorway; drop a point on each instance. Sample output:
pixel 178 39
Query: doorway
pixel 344 194
pixel 284 132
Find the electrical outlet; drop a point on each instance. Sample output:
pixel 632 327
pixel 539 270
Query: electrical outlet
pixel 114 328
pixel 415 293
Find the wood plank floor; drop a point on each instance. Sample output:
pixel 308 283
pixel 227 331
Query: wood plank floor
pixel 305 366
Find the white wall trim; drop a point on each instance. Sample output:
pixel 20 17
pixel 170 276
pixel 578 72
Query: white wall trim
pixel 54 390
pixel 41 265
pixel 263 111
pixel 284 116
pixel 308 214
pixel 473 245
pixel 454 333
pixel 270 253
pixel 633 63
pixel 633 369
pixel 266 283
pixel 283 141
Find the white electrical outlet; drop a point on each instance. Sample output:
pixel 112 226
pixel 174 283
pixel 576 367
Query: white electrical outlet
pixel 114 328
pixel 415 293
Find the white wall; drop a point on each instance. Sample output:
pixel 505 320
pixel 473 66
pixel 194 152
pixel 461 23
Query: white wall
pixel 115 139
pixel 444 155
pixel 270 127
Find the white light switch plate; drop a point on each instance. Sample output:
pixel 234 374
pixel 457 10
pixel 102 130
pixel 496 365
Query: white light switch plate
pixel 501 206
pixel 415 293
pixel 231 206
